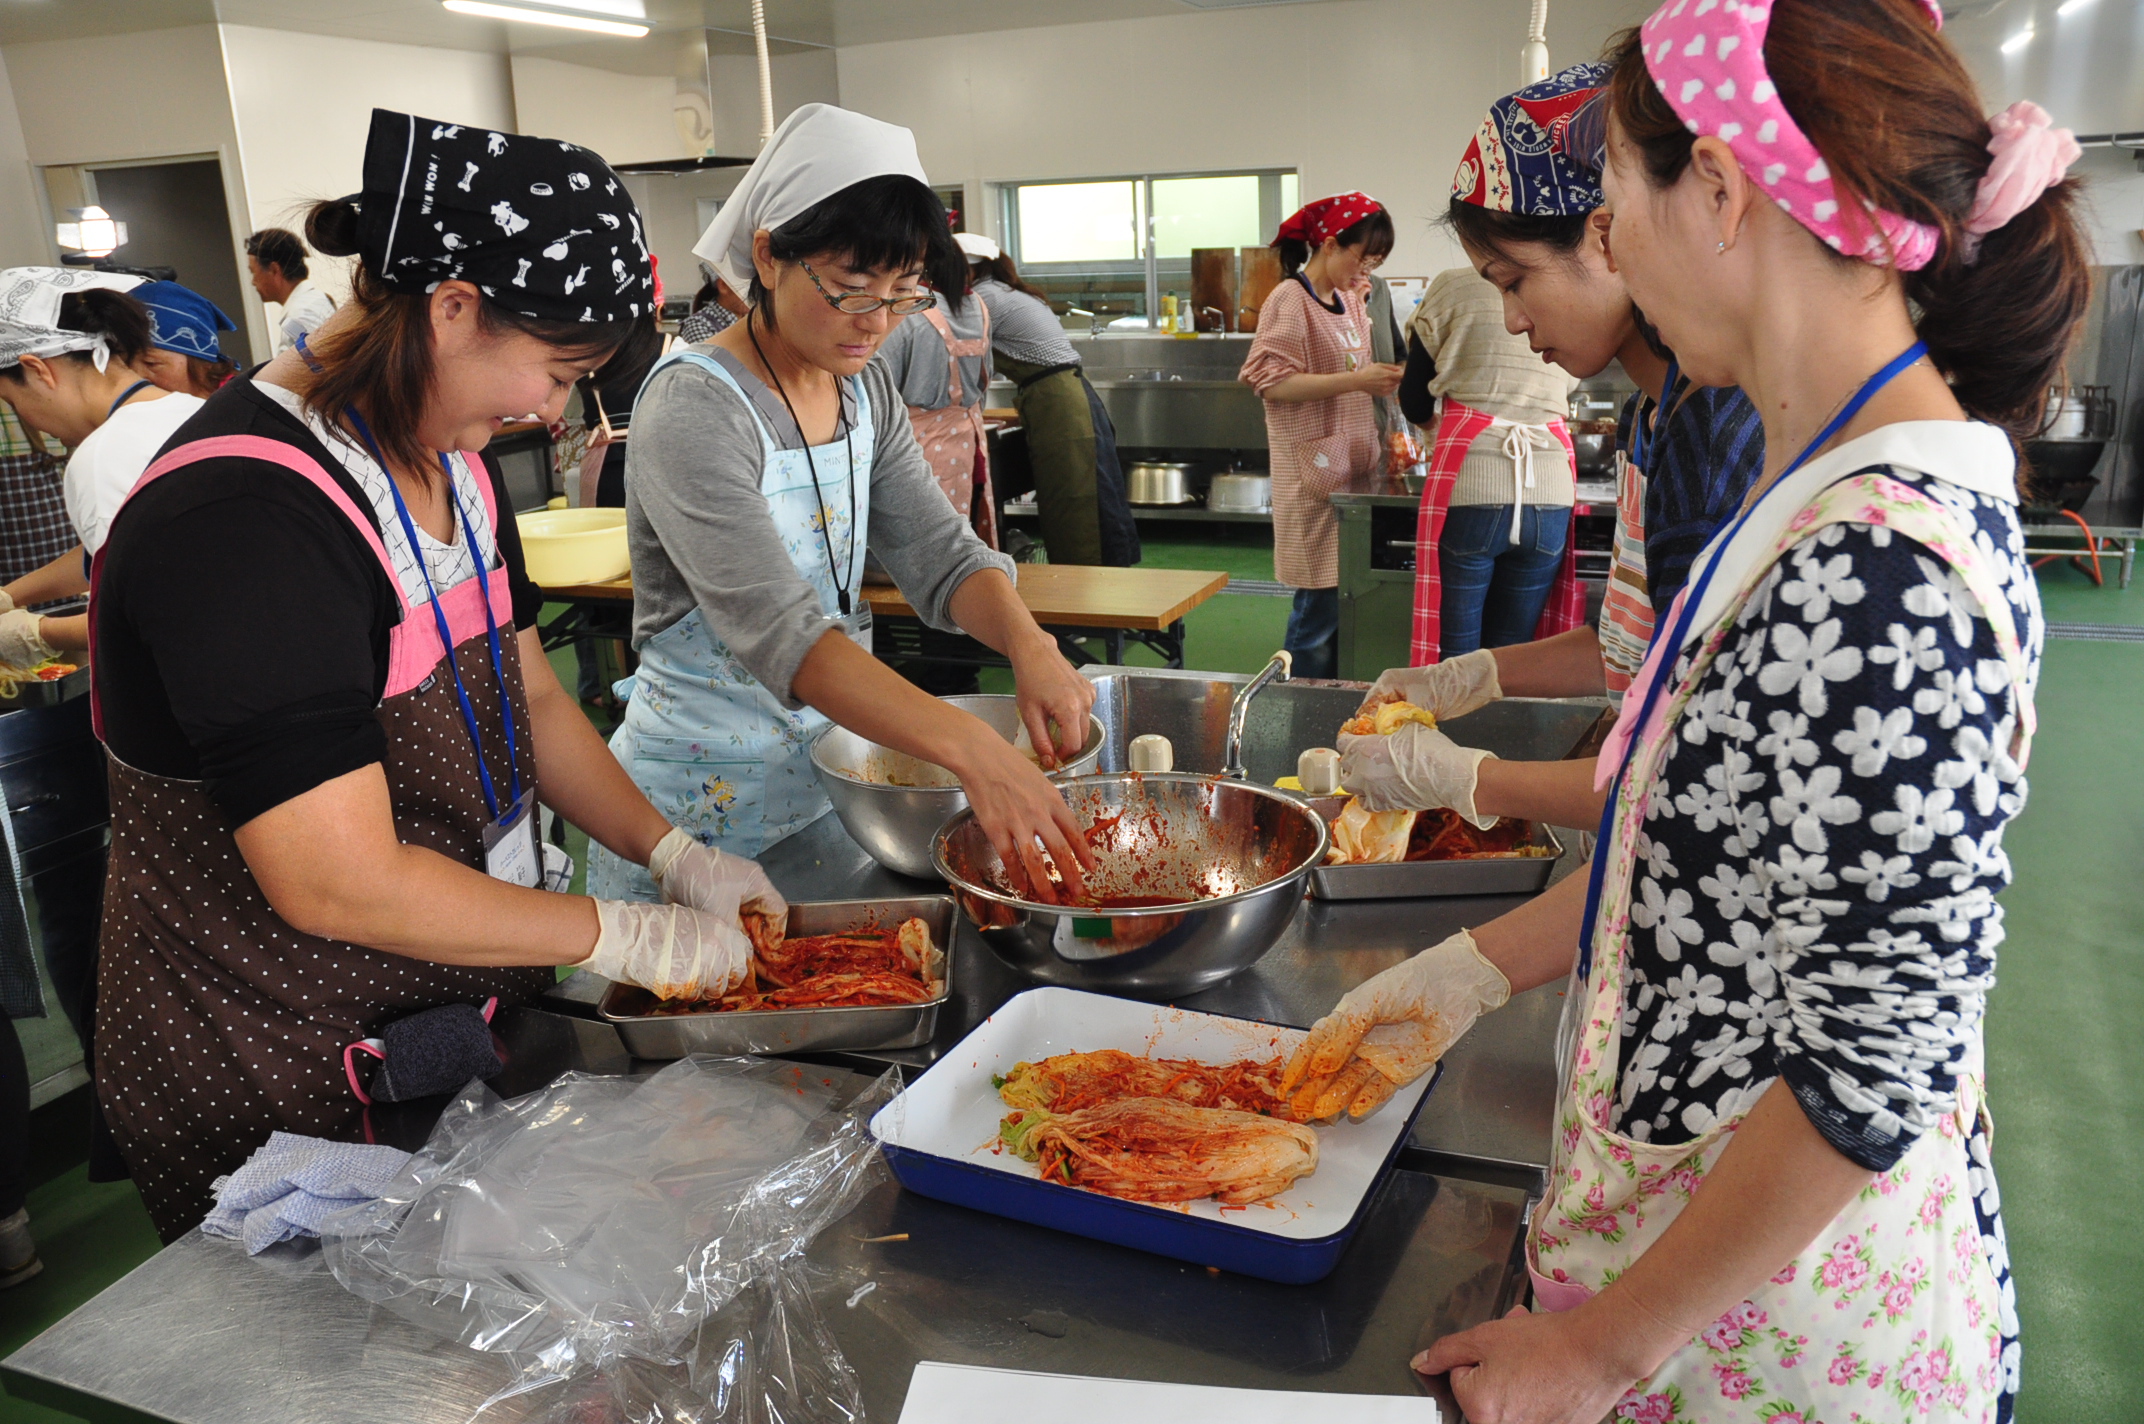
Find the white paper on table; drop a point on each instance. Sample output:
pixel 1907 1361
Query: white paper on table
pixel 969 1394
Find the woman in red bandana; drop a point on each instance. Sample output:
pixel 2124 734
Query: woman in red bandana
pixel 1311 364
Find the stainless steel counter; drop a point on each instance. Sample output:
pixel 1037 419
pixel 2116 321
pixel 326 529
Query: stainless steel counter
pixel 202 1333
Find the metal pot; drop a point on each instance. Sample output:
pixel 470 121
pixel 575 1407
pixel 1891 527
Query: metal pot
pixel 2069 416
pixel 1237 852
pixel 1244 494
pixel 1595 452
pixel 1159 482
pixel 895 824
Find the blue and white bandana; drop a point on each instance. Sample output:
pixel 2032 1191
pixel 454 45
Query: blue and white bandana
pixel 184 320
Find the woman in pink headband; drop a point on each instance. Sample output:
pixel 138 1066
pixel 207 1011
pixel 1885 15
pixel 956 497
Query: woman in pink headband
pixel 1770 1195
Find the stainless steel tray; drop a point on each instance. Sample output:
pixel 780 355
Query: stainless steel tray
pixel 48 694
pixel 1420 879
pixel 796 1030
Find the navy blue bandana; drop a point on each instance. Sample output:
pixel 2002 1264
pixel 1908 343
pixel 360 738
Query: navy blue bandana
pixel 543 228
pixel 1535 152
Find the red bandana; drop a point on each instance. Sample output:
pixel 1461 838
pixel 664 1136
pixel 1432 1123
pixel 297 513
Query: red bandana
pixel 1328 217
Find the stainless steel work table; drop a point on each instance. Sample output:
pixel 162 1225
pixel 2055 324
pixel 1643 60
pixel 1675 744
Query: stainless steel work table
pixel 202 1333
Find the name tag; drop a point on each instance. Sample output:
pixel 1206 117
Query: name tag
pixel 511 850
pixel 858 626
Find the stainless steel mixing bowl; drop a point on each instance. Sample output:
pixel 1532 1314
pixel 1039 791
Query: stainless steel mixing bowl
pixel 895 823
pixel 1234 853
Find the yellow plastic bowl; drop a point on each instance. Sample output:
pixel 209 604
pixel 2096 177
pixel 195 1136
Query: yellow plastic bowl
pixel 574 546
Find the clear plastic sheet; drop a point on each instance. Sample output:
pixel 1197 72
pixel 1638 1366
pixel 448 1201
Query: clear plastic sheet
pixel 640 1241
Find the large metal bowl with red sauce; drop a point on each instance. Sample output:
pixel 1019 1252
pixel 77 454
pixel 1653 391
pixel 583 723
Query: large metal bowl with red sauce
pixel 1197 877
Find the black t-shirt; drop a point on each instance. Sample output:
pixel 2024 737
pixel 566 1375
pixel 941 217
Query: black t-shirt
pixel 242 622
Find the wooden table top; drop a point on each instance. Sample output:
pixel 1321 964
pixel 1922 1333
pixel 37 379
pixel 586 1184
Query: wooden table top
pixel 1064 595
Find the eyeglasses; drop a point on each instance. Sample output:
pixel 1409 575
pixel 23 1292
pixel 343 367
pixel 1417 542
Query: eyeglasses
pixel 1371 264
pixel 863 303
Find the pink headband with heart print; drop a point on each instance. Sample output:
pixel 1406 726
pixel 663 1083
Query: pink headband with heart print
pixel 1707 56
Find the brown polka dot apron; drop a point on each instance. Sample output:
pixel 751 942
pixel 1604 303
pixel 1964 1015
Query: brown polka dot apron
pixel 217 1022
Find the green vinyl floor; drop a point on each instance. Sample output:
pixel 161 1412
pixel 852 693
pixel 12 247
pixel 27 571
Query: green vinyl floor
pixel 2063 1023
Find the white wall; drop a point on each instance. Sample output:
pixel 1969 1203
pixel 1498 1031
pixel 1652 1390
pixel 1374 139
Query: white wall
pixel 624 117
pixel 156 94
pixel 1289 86
pixel 303 105
pixel 23 240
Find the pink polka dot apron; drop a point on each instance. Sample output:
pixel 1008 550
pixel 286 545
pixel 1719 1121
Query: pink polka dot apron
pixel 1892 1311
pixel 952 436
pixel 218 1023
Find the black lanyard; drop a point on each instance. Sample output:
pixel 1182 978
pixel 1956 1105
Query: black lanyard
pixel 826 534
pixel 446 636
pixel 125 396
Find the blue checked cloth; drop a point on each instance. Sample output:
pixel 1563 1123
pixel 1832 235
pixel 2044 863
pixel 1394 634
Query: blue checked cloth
pixel 289 1186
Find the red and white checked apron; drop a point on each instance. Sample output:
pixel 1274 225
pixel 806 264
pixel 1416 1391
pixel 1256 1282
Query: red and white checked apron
pixel 952 436
pixel 1457 425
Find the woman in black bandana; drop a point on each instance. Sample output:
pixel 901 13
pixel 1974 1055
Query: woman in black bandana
pixel 323 821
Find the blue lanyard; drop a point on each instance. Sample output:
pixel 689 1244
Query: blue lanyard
pixel 1695 594
pixel 125 396
pixel 446 637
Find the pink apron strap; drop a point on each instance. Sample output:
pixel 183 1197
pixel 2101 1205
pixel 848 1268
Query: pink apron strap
pixel 239 447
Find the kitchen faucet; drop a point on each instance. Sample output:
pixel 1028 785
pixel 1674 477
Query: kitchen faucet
pixel 1094 322
pixel 1222 316
pixel 1276 669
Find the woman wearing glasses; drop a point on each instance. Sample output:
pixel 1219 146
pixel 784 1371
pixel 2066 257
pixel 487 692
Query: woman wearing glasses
pixel 761 465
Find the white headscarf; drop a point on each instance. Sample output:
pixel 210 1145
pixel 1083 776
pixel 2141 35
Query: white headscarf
pixel 977 247
pixel 30 312
pixel 818 151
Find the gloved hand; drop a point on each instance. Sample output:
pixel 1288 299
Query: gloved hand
pixel 1444 690
pixel 21 645
pixel 7 604
pixel 1390 1030
pixel 1413 768
pixel 672 951
pixel 731 886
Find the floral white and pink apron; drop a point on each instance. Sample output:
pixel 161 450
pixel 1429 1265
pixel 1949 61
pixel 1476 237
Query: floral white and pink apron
pixel 1891 1314
pixel 952 436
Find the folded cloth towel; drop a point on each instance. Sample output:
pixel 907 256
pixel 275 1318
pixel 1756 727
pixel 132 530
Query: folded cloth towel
pixel 287 1187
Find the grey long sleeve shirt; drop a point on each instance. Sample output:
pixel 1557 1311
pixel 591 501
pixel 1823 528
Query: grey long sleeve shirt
pixel 703 537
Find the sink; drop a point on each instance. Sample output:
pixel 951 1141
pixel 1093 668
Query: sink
pixel 1191 710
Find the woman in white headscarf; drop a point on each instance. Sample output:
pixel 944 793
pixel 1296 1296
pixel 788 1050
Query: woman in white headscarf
pixel 761 464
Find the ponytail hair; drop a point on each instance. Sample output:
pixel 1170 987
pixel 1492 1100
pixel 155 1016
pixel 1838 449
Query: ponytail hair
pixel 121 320
pixel 1900 124
pixel 1373 234
pixel 1000 269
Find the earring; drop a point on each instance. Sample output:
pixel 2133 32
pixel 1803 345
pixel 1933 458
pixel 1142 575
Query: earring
pixel 1721 249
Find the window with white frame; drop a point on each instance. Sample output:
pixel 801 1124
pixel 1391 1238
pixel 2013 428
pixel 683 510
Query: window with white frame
pixel 1113 246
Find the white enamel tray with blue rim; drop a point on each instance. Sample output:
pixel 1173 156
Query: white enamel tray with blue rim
pixel 939 1137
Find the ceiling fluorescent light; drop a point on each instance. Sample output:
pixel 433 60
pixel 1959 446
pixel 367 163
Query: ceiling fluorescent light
pixel 523 15
pixel 2018 41
pixel 2071 7
pixel 1236 4
pixel 94 233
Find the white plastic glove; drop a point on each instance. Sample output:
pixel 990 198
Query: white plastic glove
pixel 1444 690
pixel 7 604
pixel 689 873
pixel 1390 1030
pixel 21 645
pixel 672 951
pixel 1414 768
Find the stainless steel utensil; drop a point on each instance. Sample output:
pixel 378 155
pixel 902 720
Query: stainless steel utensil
pixel 1243 494
pixel 895 823
pixel 1237 853
pixel 1159 482
pixel 1417 879
pixel 647 1035
pixel 1595 452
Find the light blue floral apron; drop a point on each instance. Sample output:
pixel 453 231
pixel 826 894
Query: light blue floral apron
pixel 708 743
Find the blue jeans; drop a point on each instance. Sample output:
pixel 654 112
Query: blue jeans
pixel 1314 632
pixel 1494 590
